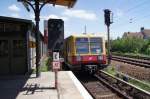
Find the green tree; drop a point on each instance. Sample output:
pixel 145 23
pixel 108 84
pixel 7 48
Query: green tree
pixel 130 45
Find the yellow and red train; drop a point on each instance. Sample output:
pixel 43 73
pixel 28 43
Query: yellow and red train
pixel 84 52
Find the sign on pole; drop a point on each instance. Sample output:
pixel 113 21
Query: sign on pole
pixel 56 61
pixel 56 65
pixel 55 56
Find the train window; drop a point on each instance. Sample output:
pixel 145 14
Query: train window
pixel 82 46
pixel 95 40
pixel 3 48
pixel 18 48
pixel 95 48
pixel 96 45
pixel 81 39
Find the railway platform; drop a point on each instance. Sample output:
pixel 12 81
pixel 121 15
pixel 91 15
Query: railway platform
pixel 21 87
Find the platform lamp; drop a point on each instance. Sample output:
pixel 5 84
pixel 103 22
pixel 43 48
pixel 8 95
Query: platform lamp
pixel 36 6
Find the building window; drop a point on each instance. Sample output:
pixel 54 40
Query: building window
pixel 4 48
pixel 11 27
pixel 18 48
pixel 1 27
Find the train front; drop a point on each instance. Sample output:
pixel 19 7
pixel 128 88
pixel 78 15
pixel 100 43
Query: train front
pixel 89 53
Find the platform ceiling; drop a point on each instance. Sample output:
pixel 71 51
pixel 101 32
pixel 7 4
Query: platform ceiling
pixel 68 3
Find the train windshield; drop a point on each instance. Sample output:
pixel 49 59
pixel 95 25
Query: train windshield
pixel 82 46
pixel 96 45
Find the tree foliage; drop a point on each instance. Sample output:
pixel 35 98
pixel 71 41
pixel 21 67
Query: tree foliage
pixel 131 45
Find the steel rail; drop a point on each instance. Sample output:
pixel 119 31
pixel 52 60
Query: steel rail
pixel 133 56
pixel 133 87
pixel 93 92
pixel 112 88
pixel 133 61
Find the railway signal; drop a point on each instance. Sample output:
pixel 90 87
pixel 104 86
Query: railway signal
pixel 108 17
pixel 108 20
pixel 55 34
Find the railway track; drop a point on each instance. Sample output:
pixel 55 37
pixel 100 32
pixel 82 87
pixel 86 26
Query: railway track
pixel 96 88
pixel 105 86
pixel 122 87
pixel 133 61
pixel 137 72
pixel 132 56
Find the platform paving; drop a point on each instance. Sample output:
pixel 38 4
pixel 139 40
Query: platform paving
pixel 23 87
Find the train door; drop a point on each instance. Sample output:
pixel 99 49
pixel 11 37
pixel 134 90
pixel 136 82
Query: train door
pixel 4 56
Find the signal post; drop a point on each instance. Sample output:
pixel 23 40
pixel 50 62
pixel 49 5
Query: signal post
pixel 108 21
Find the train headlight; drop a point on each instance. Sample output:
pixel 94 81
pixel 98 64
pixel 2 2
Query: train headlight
pixel 78 58
pixel 100 57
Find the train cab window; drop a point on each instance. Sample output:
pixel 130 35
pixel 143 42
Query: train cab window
pixel 82 46
pixel 96 45
pixel 18 48
pixel 4 48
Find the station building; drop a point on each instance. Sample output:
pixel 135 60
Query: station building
pixel 18 46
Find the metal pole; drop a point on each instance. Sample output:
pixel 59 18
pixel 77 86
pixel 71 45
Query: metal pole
pixel 56 79
pixel 37 34
pixel 108 22
pixel 108 44
pixel 85 29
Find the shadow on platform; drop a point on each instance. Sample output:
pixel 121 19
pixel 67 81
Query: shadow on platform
pixel 11 86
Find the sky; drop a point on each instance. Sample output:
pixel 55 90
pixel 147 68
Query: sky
pixel 128 16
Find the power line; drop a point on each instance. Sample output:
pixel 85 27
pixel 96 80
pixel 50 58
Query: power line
pixel 135 7
pixel 130 20
pixel 137 20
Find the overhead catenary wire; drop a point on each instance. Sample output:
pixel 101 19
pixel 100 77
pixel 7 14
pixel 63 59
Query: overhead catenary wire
pixel 136 6
pixel 132 8
pixel 139 5
pixel 132 20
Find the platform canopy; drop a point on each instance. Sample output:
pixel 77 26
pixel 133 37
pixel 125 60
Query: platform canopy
pixel 68 3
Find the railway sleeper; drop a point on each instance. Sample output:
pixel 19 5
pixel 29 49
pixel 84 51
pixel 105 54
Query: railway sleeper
pixel 137 94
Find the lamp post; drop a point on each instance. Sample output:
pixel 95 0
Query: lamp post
pixel 37 5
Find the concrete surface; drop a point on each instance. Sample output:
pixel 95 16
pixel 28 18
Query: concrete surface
pixel 21 87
